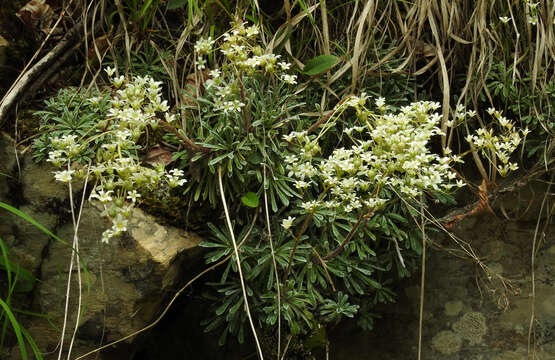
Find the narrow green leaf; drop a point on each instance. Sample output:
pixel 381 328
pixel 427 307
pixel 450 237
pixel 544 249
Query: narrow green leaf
pixel 320 64
pixel 174 4
pixel 31 220
pixel 16 329
pixel 32 344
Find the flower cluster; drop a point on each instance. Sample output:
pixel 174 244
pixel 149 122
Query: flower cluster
pixel 461 114
pixel 531 11
pixel 388 151
pixel 117 172
pixel 243 57
pixel 498 148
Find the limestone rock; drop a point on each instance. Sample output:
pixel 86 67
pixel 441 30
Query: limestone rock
pixel 3 50
pixel 124 284
pixel 453 308
pixel 447 342
pixel 39 186
pixel 25 241
pixel 7 164
pixel 472 327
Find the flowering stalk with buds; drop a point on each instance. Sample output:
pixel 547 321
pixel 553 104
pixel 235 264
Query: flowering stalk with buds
pixel 496 146
pixel 243 96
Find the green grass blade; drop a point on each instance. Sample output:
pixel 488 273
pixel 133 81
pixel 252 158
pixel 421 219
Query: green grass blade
pixel 29 219
pixel 6 262
pixel 16 329
pixel 32 344
pixel 46 231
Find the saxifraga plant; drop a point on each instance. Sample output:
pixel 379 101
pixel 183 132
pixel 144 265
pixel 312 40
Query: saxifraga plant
pixel 73 112
pixel 346 188
pixel 343 190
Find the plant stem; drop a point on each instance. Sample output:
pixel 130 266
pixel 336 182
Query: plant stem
pixel 422 279
pixel 297 239
pixel 274 264
pixel 188 143
pixel 325 117
pixel 246 120
pixel 341 246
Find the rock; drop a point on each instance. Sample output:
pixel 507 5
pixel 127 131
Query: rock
pixel 8 163
pixel 27 242
pixel 447 342
pixel 125 285
pixel 472 327
pixel 39 186
pixel 3 50
pixel 524 204
pixel 453 308
pixel 463 318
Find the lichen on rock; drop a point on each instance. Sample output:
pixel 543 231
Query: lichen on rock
pixel 453 308
pixel 447 342
pixel 472 327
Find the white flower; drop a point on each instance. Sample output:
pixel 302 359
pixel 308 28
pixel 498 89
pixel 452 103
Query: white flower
pixel 504 122
pixel 504 19
pixel 95 100
pixel 301 184
pixel 223 91
pixel 289 79
pixel 174 178
pixel 532 20
pixel 122 135
pixel 380 102
pixel 200 63
pixel 311 206
pixel 133 196
pixel 102 196
pixel 119 224
pixel 355 101
pixel 118 81
pixel 169 117
pixel 252 31
pixel 204 46
pixel 232 106
pixel 284 65
pixel 286 223
pixel 471 113
pixel 162 106
pixel 252 62
pixel 110 71
pixel 107 235
pixel 63 176
pixel 177 172
pixel 56 157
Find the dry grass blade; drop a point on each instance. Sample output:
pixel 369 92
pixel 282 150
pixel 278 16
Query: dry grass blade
pixel 171 71
pixel 282 32
pixel 444 78
pixel 121 14
pixel 360 47
pixel 238 260
pixel 325 27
